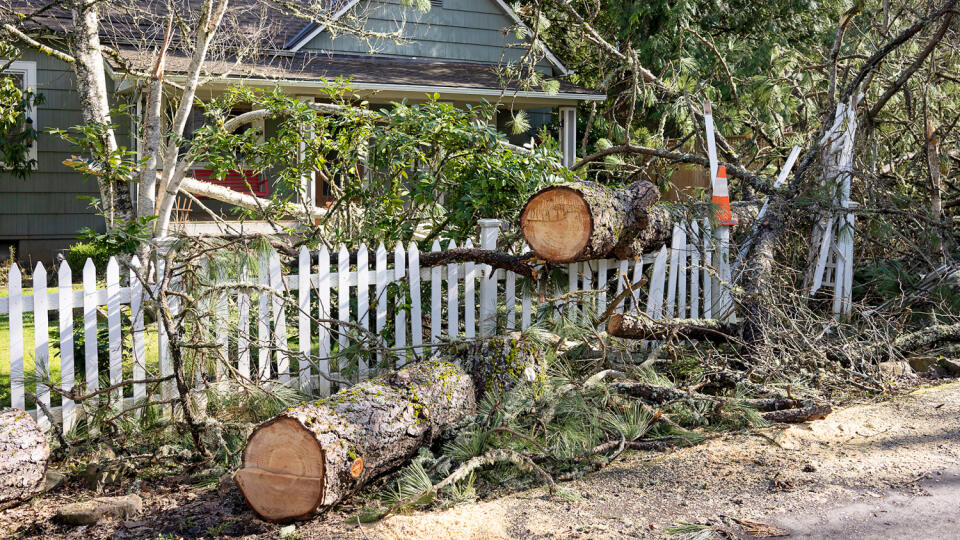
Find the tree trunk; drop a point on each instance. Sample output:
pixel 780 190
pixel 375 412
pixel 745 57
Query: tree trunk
pixel 583 220
pixel 313 455
pixel 498 363
pixel 23 457
pixel 115 195
pixel 624 325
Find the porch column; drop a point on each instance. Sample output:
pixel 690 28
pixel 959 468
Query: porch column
pixel 568 135
pixel 308 181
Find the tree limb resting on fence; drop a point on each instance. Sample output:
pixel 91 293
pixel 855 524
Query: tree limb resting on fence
pixel 496 259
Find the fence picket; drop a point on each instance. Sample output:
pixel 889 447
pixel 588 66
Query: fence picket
pixel 400 315
pixel 278 290
pixel 303 318
pixel 381 296
pixel 525 307
pixel 674 256
pixel 695 270
pixel 588 302
pixel 65 309
pixel 435 300
pixel 113 327
pixel 343 299
pixel 323 324
pixel 416 314
pixel 637 278
pixel 682 273
pixel 706 235
pixel 573 281
pixel 622 270
pixel 453 296
pixel 657 279
pixel 222 325
pixel 136 334
pixel 90 326
pixel 469 296
pixel 15 288
pixel 243 326
pixel 602 285
pixel 363 305
pixel 510 294
pixel 263 321
pixel 41 342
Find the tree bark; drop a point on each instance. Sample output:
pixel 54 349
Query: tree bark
pixel 498 363
pixel 584 220
pixel 115 195
pixel 625 325
pixel 799 415
pixel 314 455
pixel 23 457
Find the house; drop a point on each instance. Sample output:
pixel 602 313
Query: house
pixel 452 50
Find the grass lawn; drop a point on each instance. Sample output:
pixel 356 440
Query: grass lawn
pixel 150 340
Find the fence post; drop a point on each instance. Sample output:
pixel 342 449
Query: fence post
pixel 489 231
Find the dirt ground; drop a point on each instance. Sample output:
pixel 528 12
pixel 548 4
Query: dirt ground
pixel 884 470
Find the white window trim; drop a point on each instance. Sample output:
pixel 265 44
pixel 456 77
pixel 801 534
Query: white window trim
pixel 29 71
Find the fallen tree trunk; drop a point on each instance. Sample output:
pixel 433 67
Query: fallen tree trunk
pixel 313 455
pixel 585 220
pixel 629 326
pixel 498 363
pixel 23 457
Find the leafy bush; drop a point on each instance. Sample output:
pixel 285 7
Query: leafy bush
pixel 81 251
pixel 101 246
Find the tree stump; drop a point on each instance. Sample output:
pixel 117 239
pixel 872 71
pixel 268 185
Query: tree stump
pixel 23 457
pixel 581 221
pixel 315 454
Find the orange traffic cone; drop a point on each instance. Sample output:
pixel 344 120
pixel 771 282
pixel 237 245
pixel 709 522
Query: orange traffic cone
pixel 721 198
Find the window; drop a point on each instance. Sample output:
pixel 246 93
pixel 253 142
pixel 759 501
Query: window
pixel 24 76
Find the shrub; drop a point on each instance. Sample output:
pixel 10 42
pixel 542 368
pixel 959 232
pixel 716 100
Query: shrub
pixel 81 251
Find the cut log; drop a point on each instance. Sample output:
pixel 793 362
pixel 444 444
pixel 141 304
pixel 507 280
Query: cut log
pixel 580 221
pixel 498 363
pixel 629 326
pixel 23 457
pixel 583 221
pixel 313 455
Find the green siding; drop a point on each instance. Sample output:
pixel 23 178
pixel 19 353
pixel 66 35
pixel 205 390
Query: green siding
pixel 46 204
pixel 49 203
pixel 461 30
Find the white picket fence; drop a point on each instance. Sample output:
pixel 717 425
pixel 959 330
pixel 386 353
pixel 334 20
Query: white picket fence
pixel 685 281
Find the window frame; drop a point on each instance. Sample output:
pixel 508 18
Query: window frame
pixel 28 69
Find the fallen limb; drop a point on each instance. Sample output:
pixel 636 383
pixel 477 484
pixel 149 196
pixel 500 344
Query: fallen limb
pixel 496 259
pixel 654 393
pixel 901 346
pixel 802 414
pixel 243 200
pixel 630 326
